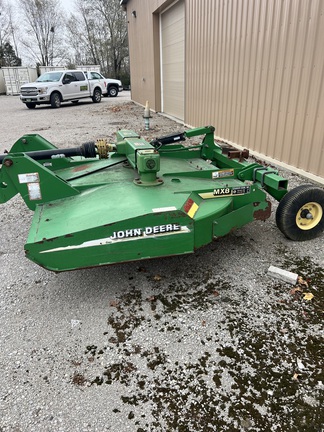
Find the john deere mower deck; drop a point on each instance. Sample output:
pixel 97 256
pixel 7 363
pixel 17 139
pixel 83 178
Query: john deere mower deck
pixel 102 203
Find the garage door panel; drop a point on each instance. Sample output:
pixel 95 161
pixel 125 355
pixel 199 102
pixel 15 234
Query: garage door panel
pixel 175 87
pixel 172 50
pixel 172 34
pixel 174 15
pixel 172 74
pixel 173 53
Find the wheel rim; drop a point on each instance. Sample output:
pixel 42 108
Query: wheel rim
pixel 309 215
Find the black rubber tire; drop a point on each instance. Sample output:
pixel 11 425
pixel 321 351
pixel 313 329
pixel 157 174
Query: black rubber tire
pixel 112 91
pixel 30 105
pixel 96 98
pixel 55 100
pixel 291 206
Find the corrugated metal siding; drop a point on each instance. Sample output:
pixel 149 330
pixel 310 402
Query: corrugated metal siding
pixel 143 34
pixel 255 70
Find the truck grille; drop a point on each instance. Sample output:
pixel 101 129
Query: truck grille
pixel 29 91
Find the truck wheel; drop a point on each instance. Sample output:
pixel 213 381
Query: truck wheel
pixel 96 95
pixel 112 91
pixel 55 100
pixel 30 105
pixel 300 213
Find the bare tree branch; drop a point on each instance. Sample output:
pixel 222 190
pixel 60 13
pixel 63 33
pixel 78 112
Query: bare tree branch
pixel 101 35
pixel 44 23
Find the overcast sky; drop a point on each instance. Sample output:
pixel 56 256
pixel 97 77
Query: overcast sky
pixel 67 5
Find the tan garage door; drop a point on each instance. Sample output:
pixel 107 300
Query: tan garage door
pixel 173 52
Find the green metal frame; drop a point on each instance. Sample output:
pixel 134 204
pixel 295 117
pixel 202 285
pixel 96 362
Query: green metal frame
pixel 143 201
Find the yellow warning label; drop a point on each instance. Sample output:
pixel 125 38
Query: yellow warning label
pixel 193 210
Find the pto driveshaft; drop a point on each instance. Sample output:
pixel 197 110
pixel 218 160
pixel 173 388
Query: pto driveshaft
pixel 87 150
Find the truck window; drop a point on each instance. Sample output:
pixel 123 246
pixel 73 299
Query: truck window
pixel 70 77
pixel 49 77
pixel 94 75
pixel 79 76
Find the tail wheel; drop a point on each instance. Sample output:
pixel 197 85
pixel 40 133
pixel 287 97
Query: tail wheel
pixel 300 213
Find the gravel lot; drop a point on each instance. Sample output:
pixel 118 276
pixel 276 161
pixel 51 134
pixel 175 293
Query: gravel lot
pixel 204 342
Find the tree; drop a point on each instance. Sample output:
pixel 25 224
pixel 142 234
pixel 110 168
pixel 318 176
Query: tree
pixel 99 33
pixel 8 56
pixel 4 23
pixel 117 44
pixel 44 22
pixel 7 32
pixel 88 38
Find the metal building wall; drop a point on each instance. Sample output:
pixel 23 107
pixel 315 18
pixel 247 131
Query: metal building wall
pixel 255 70
pixel 143 38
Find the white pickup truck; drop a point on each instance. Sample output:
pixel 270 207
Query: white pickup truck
pixel 55 87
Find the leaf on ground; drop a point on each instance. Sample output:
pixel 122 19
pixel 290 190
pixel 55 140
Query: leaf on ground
pixel 157 277
pixel 296 376
pixel 113 303
pixel 295 290
pixel 308 296
pixel 302 281
pixel 115 109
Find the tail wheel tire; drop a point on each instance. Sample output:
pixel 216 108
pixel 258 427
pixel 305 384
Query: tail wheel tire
pixel 300 213
pixel 96 96
pixel 55 100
